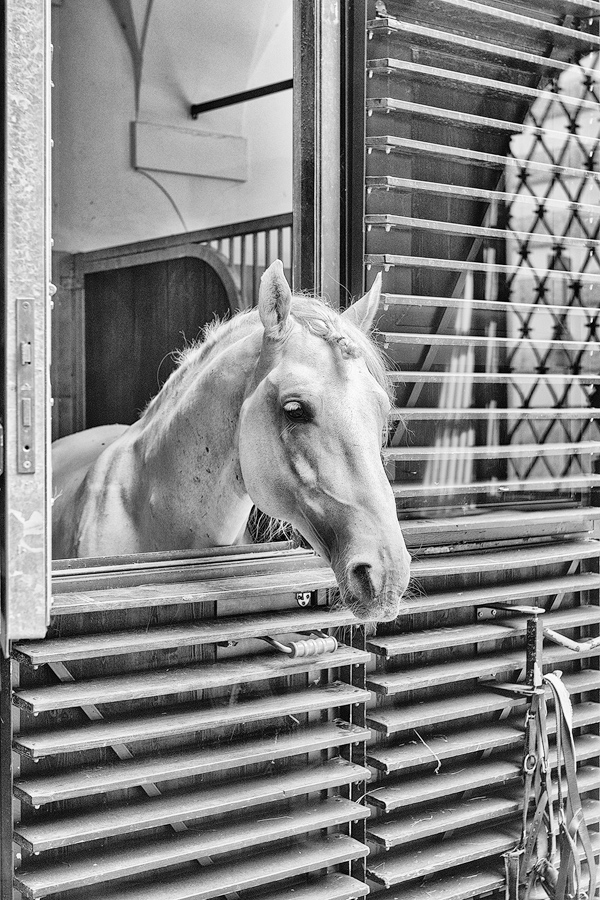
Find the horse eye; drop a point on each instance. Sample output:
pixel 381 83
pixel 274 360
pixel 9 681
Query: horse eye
pixel 294 411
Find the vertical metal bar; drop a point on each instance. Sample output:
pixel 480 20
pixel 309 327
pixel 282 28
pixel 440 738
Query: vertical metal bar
pixel 254 268
pixel 534 646
pixel 280 245
pixel 304 141
pixel 78 326
pixel 358 829
pixel 353 158
pixel 6 780
pixel 243 271
pixel 593 597
pixel 316 162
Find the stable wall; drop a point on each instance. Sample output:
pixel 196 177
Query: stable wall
pixel 108 77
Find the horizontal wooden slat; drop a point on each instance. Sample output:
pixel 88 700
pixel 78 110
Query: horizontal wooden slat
pixel 490 451
pixel 148 596
pixel 434 712
pixel 507 20
pixel 564 276
pixel 419 300
pixel 453 118
pixel 468 157
pixel 331 887
pixel 441 818
pixel 489 87
pixel 492 378
pixel 505 734
pixel 74 782
pixel 564 483
pixel 495 629
pixel 501 18
pixel 210 562
pixel 151 812
pixel 177 560
pixel 503 593
pixel 253 871
pixel 184 719
pixel 227 628
pixel 425 859
pixel 504 235
pixel 465 414
pixel 88 868
pixel 163 682
pixel 385 183
pixel 446 117
pixel 455 531
pixel 429 36
pixel 470 881
pixel 463 706
pixel 451 818
pixel 472 340
pixel 487 666
pixel 502 561
pixel 488 774
pixel 134 570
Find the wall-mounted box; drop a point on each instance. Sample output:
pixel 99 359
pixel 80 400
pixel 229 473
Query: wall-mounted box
pixel 187 151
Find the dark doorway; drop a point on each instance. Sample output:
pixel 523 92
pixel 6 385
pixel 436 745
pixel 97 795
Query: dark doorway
pixel 134 318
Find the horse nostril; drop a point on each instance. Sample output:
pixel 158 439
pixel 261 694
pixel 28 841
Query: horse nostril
pixel 362 581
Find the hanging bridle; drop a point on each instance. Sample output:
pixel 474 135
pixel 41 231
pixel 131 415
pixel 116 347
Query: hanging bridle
pixel 548 851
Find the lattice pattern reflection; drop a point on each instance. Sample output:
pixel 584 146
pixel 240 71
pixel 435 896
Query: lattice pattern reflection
pixel 553 170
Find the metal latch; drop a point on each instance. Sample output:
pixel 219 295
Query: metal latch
pixel 25 388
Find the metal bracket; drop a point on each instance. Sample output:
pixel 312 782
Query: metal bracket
pixel 25 388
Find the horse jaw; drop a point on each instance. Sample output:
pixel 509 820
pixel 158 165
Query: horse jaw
pixel 368 556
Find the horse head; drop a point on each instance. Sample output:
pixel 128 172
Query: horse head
pixel 310 436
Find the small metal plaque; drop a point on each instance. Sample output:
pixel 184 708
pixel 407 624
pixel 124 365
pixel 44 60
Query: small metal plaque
pixel 25 388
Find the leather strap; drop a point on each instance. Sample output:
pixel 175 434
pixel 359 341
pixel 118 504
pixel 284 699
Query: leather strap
pixel 564 883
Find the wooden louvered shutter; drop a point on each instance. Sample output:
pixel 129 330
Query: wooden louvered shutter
pixel 163 751
pixel 482 212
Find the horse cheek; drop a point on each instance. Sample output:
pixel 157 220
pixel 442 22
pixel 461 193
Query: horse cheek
pixel 261 465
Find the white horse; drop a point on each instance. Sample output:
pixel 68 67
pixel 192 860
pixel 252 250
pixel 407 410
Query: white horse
pixel 284 407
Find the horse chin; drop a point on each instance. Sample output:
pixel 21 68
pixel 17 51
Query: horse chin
pixel 375 612
pixel 373 609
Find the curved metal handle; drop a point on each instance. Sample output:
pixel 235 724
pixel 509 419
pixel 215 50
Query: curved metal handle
pixel 314 646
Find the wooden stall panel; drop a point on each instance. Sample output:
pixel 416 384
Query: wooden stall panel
pixel 167 750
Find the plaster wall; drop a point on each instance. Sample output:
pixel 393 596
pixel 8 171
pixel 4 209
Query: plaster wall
pixel 187 51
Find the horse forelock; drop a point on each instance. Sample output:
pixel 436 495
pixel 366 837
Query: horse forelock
pixel 315 315
pixel 322 320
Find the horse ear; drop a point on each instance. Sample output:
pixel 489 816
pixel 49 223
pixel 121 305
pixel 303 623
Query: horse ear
pixel 274 299
pixel 363 312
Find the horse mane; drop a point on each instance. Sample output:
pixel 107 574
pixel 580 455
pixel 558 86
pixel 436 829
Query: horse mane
pixel 313 314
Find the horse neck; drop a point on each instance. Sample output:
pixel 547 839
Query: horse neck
pixel 190 457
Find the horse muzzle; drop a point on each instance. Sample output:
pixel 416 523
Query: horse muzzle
pixel 372 589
